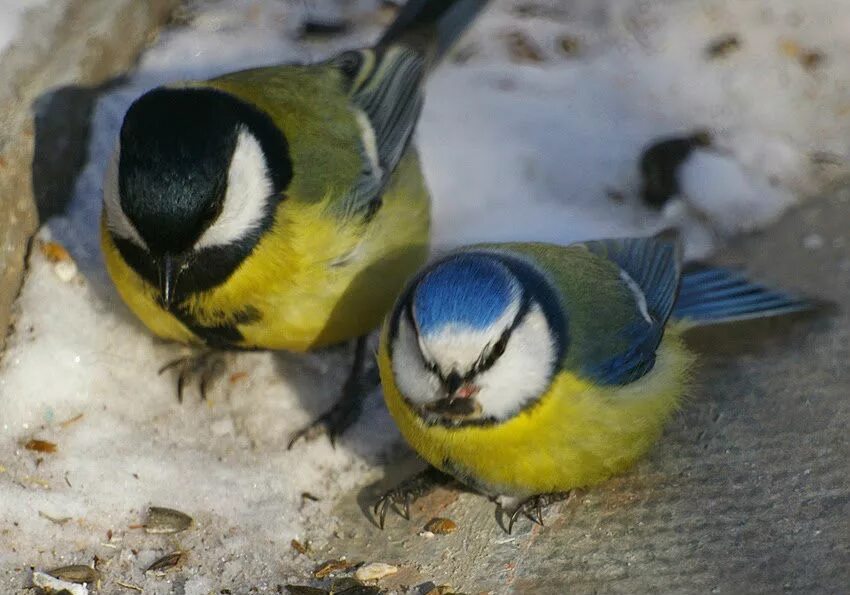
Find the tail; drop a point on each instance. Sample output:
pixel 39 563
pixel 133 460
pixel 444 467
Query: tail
pixel 431 26
pixel 709 295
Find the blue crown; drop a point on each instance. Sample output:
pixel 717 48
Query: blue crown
pixel 467 290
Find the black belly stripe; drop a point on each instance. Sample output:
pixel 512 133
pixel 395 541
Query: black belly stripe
pixel 219 336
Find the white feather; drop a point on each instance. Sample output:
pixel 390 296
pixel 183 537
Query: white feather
pixel 523 372
pixel 248 192
pixel 640 297
pixel 116 220
pixel 519 376
pixel 370 142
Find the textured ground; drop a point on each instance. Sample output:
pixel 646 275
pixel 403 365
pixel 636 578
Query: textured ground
pixel 749 490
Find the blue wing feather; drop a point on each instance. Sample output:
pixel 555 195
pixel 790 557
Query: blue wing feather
pixel 651 268
pixel 710 295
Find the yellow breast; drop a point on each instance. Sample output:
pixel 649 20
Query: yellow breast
pixel 575 435
pixel 314 279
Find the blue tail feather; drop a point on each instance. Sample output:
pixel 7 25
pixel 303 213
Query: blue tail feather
pixel 710 295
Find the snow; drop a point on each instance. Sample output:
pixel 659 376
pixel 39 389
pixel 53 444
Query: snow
pixel 12 17
pixel 513 149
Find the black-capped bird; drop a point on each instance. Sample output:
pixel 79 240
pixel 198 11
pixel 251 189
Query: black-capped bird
pixel 280 207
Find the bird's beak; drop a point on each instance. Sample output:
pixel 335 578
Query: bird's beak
pixel 466 391
pixel 167 279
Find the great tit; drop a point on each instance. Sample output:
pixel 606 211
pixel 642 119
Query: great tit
pixel 528 370
pixel 280 207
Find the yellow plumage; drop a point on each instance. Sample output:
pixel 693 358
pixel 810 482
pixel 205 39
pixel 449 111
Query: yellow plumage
pixel 576 435
pixel 314 279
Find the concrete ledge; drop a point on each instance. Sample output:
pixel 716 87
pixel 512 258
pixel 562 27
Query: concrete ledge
pixel 62 43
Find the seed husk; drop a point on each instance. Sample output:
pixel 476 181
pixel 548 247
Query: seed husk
pixel 332 566
pixel 305 590
pixel 166 520
pixel 375 571
pixel 76 573
pixel 165 563
pixel 50 585
pixel 523 49
pixel 441 526
pixel 40 446
pixel 723 46
pixel 299 547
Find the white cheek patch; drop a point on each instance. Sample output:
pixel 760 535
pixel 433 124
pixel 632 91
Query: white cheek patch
pixel 116 220
pixel 523 372
pixel 248 192
pixel 418 384
pixel 458 348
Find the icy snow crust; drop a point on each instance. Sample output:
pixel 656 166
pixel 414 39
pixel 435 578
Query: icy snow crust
pixel 512 150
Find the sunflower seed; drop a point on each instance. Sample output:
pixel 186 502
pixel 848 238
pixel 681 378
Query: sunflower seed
pixel 441 526
pixel 166 563
pixel 165 520
pixel 375 571
pixel 76 573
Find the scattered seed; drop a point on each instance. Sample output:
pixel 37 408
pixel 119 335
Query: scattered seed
pixel 522 49
pixel 305 590
pixel 71 421
pixel 166 563
pixel 51 585
pixel 76 573
pixel 441 526
pixel 299 547
pixel 331 567
pixel 375 571
pixel 309 496
pixel 237 376
pixel 40 446
pixel 569 45
pixel 358 589
pixel 790 48
pixel 57 520
pixel 723 46
pixel 129 586
pixel 812 59
pixel 166 520
pixel 54 252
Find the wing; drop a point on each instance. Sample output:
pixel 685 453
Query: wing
pixel 386 97
pixel 631 312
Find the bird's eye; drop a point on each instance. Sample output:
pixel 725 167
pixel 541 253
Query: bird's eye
pixel 212 211
pixel 495 353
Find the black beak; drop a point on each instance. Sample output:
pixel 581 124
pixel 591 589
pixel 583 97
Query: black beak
pixel 452 382
pixel 167 279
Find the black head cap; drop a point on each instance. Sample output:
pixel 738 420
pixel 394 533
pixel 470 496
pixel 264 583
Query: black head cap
pixel 176 147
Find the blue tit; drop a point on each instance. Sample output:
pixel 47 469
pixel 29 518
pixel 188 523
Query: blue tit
pixel 280 207
pixel 528 370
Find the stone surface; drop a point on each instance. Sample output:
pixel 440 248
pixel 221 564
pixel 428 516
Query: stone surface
pixel 64 48
pixel 748 491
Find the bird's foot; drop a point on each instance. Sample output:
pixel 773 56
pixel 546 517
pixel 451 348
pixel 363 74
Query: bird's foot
pixel 532 508
pixel 204 366
pixel 345 411
pixel 409 491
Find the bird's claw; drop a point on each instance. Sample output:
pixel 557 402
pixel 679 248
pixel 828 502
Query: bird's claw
pixel 207 366
pixel 532 508
pixel 408 492
pixel 391 499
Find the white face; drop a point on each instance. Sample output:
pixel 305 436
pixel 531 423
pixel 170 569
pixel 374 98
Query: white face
pixel 248 191
pixel 520 375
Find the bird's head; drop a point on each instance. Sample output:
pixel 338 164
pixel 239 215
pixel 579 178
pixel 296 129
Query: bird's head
pixel 194 183
pixel 476 338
